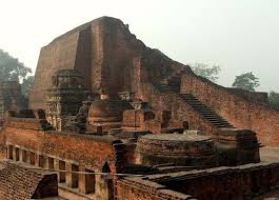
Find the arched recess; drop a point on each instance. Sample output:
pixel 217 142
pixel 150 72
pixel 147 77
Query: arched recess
pixel 107 182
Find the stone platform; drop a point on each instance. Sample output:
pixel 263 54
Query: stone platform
pixel 177 149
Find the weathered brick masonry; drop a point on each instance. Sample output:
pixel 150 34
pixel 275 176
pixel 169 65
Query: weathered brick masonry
pixel 127 90
pixel 30 183
pixel 137 189
pixel 24 140
pixel 113 60
pixel 241 182
pixel 91 151
pixel 241 112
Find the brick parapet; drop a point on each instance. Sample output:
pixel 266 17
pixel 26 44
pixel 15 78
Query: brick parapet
pixel 90 151
pixel 242 113
pixel 137 188
pixel 239 182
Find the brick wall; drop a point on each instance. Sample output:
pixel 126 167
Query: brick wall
pixel 18 183
pixel 180 111
pixel 24 140
pixel 60 55
pixel 103 50
pixel 241 182
pixel 138 189
pixel 91 151
pixel 242 113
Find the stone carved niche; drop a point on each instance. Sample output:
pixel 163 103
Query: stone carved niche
pixel 65 98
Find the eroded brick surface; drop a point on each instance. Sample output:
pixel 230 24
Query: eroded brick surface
pixel 20 183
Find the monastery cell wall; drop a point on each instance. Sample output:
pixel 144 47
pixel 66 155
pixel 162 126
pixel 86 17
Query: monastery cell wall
pixel 88 151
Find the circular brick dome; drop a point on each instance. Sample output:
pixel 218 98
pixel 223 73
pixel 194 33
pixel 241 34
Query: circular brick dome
pixel 107 110
pixel 178 149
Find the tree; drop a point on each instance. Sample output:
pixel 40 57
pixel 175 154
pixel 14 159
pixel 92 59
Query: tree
pixel 11 68
pixel 204 70
pixel 273 98
pixel 247 81
pixel 27 85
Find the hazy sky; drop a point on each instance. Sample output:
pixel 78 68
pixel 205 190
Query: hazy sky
pixel 239 35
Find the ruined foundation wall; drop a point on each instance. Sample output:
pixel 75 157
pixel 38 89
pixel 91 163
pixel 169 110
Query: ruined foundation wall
pixel 140 189
pixel 240 112
pixel 86 150
pixel 241 182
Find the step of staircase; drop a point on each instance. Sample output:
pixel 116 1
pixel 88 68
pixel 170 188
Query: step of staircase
pixel 206 112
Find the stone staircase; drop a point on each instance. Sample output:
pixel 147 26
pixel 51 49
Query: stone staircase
pixel 172 84
pixel 206 112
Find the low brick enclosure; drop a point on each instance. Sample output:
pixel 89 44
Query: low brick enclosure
pixel 25 133
pixel 241 182
pixel 24 140
pixel 241 111
pixel 138 189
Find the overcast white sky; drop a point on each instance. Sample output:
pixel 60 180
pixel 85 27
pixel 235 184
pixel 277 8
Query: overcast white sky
pixel 239 35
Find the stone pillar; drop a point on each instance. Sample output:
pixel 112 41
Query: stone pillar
pixel 50 163
pixel 56 167
pixel 72 179
pixel 60 165
pixel 32 157
pixel 87 182
pixel 24 156
pixel 82 182
pixel 10 153
pixel 17 152
pixel 37 163
pixel 41 161
pixel 105 184
pixel 105 187
pixel 21 155
pixel 69 174
pixel 14 153
pixel 27 156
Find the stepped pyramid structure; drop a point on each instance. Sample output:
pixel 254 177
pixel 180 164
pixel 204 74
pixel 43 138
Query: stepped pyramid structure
pixel 113 60
pixel 110 118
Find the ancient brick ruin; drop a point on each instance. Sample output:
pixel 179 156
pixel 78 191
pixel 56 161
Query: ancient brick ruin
pixel 114 119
